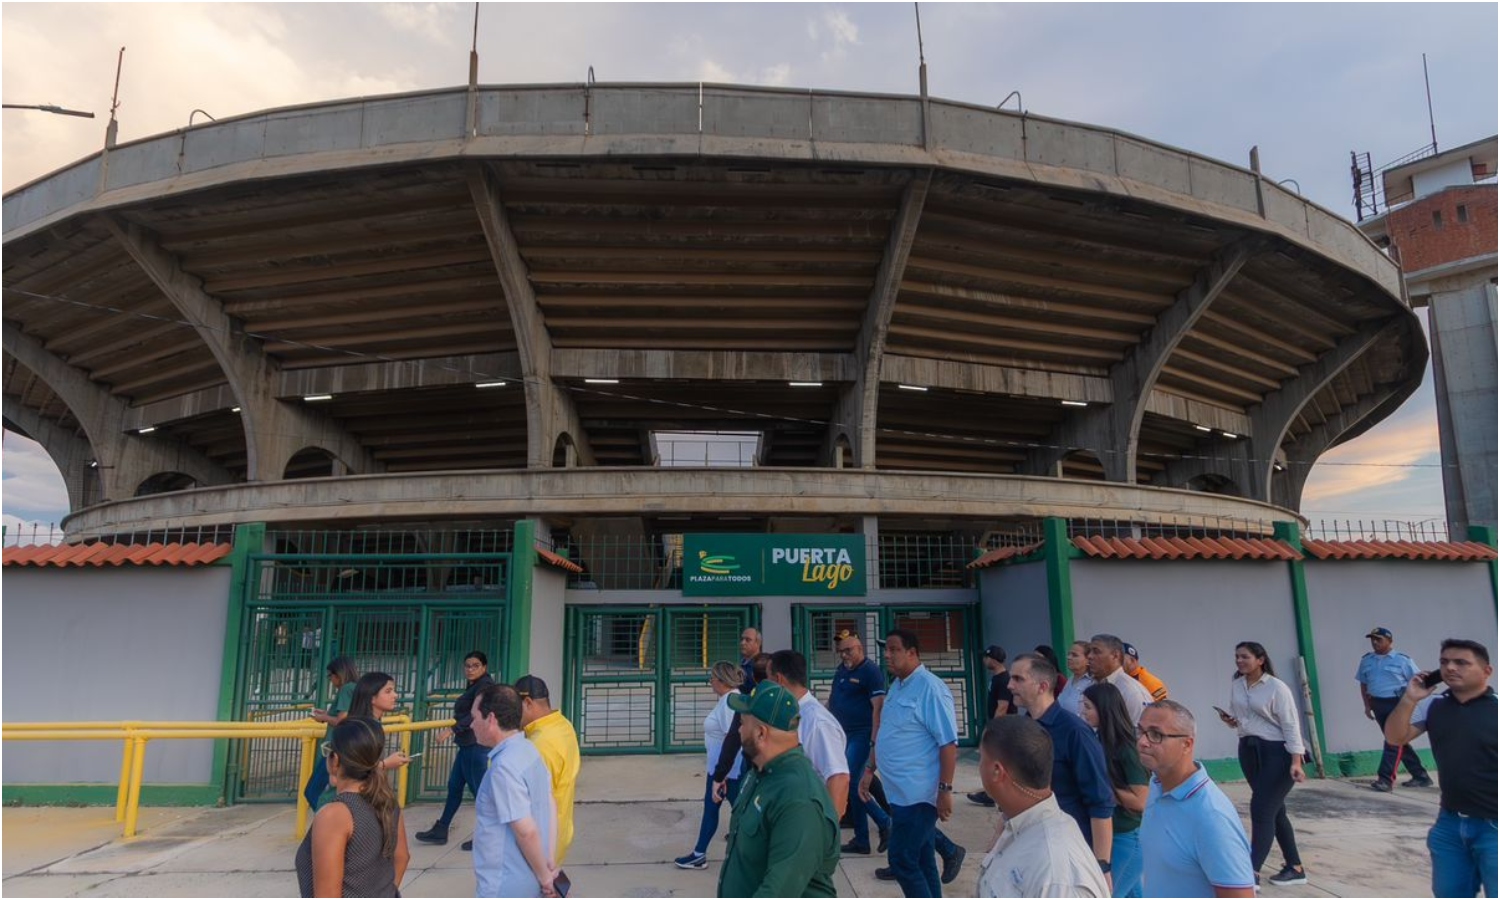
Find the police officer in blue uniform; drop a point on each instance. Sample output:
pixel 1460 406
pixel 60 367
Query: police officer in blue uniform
pixel 1382 676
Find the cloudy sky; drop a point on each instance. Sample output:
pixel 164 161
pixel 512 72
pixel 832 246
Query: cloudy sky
pixel 1307 83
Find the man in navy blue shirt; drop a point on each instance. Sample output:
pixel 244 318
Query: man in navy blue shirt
pixel 855 700
pixel 1080 780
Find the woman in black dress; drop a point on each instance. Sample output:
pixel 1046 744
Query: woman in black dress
pixel 357 844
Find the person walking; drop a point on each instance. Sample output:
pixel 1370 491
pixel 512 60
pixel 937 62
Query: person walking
pixel 357 844
pixel 515 818
pixel 724 679
pixel 1104 711
pixel 750 648
pixel 916 752
pixel 1131 663
pixel 1461 725
pixel 1107 663
pixel 783 832
pixel 998 702
pixel 554 737
pixel 375 698
pixel 341 677
pixel 1264 713
pixel 1080 778
pixel 1383 675
pixel 1192 842
pixel 469 760
pixel 1070 697
pixel 1038 851
pixel 856 699
pixel 818 732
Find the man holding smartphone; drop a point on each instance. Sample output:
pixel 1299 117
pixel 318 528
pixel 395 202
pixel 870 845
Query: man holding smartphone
pixel 1382 676
pixel 1461 725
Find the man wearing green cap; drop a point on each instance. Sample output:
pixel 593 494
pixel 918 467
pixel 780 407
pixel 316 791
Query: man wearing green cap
pixel 783 833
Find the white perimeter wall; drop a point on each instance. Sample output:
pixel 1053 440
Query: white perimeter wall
pixel 133 642
pixel 548 587
pixel 1015 608
pixel 1185 616
pixel 1421 601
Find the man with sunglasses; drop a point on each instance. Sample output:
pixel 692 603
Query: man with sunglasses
pixel 1192 841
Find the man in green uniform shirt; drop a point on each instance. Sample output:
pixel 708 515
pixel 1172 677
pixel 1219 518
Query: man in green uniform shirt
pixel 783 834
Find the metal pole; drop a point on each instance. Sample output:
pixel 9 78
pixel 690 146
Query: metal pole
pixel 123 797
pixel 304 772
pixel 1431 123
pixel 137 774
pixel 1311 729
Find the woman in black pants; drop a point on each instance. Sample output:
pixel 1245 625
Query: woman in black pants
pixel 1265 715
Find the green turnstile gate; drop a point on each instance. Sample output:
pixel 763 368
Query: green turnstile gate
pixel 947 635
pixel 412 617
pixel 638 676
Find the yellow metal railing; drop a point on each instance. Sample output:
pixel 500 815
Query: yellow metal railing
pixel 136 735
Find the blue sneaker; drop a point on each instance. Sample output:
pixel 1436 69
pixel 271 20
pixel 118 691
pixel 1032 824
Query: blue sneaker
pixel 692 861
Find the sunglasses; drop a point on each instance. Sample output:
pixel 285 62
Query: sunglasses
pixel 326 748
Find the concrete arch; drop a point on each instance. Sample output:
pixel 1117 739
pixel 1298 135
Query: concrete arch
pixel 313 461
pixel 163 482
pixel 564 452
pixel 1215 483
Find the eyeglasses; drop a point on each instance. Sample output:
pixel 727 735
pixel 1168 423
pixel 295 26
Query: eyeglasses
pixel 1155 736
pixel 845 651
pixel 327 748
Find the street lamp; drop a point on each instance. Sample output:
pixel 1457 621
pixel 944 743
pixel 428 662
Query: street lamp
pixel 50 108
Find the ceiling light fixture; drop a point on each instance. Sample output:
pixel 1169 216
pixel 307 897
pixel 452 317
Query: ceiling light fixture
pixel 147 430
pixel 1232 437
pixel 315 398
pixel 804 384
pixel 911 387
pixel 1203 428
pixel 1074 403
pixel 489 384
pixel 234 409
pixel 601 381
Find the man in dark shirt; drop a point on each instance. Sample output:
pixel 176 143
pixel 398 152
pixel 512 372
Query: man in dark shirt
pixel 855 700
pixel 1080 780
pixel 471 760
pixel 1461 725
pixel 1000 700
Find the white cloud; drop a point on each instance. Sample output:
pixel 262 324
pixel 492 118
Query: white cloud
pixel 425 19
pixel 31 486
pixel 842 34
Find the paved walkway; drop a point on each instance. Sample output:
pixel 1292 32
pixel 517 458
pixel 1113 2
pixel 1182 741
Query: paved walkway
pixel 634 815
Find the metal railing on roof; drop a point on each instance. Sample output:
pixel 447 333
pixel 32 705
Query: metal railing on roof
pixel 1422 530
pixel 36 533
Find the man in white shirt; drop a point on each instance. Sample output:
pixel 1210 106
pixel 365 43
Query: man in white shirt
pixel 1107 663
pixel 1039 851
pixel 821 735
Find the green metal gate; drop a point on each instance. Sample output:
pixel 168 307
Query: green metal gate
pixel 412 617
pixel 947 635
pixel 638 676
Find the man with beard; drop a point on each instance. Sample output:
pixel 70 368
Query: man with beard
pixel 783 833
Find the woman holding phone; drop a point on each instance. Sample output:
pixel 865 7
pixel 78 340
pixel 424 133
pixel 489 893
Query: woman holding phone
pixel 341 677
pixel 1264 713
pixel 375 698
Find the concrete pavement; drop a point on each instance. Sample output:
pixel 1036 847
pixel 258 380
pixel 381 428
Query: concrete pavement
pixel 635 814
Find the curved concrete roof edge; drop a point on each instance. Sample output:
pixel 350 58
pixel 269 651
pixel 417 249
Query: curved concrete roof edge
pixel 165 162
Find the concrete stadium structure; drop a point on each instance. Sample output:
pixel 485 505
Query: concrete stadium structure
pixel 398 344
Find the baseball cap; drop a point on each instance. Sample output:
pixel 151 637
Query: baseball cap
pixel 1380 632
pixel 995 652
pixel 1133 653
pixel 531 686
pixel 770 703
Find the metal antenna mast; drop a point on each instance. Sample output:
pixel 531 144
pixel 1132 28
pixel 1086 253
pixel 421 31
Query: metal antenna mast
pixel 1431 123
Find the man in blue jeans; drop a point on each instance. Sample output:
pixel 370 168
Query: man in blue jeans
pixel 855 700
pixel 916 751
pixel 471 760
pixel 1461 725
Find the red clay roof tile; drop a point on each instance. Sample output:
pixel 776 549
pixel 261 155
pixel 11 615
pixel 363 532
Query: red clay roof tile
pixel 101 554
pixel 1454 551
pixel 562 562
pixel 1003 553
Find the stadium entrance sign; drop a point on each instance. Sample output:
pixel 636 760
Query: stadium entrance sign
pixel 752 565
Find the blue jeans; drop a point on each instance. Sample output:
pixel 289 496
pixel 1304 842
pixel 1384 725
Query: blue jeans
pixel 317 784
pixel 913 832
pixel 1463 855
pixel 1126 863
pixel 857 753
pixel 710 822
pixel 469 766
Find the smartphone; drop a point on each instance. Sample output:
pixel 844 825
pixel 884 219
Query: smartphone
pixel 562 883
pixel 319 712
pixel 1433 679
pixel 413 755
pixel 1222 713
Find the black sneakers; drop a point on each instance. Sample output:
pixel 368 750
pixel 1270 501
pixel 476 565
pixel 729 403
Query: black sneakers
pixel 952 863
pixel 885 874
pixel 1381 786
pixel 980 798
pixel 1288 875
pixel 885 838
pixel 437 834
pixel 1423 781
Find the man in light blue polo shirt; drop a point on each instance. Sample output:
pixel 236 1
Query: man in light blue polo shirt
pixel 916 751
pixel 1383 674
pixel 515 819
pixel 1192 841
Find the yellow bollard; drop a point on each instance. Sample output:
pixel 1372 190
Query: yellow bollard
pixel 309 753
pixel 404 775
pixel 123 797
pixel 137 775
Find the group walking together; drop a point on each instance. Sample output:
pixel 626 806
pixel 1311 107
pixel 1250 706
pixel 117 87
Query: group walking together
pixel 1092 769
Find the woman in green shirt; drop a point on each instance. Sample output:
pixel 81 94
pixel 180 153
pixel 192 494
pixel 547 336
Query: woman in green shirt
pixel 1103 708
pixel 341 677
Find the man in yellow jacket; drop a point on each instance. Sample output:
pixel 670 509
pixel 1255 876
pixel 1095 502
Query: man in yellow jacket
pixel 553 737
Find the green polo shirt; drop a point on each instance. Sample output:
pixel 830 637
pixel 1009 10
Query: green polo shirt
pixel 783 834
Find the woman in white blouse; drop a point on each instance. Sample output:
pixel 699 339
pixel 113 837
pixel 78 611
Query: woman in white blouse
pixel 724 678
pixel 1265 715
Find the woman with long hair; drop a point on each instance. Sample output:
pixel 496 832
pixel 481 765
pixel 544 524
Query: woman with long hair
pixel 724 678
pixel 341 677
pixel 1104 711
pixel 1264 713
pixel 357 844
pixel 1070 697
pixel 375 698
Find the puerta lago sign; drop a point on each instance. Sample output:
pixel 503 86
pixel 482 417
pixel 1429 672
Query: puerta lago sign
pixel 745 565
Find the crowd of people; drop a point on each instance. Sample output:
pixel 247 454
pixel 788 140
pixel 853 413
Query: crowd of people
pixel 1094 773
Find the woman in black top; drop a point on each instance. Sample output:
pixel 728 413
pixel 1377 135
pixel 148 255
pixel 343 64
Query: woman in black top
pixel 357 844
pixel 1104 710
pixel 374 698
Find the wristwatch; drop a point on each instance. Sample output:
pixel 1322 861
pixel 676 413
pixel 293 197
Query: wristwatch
pixel 944 787
pixel 1103 866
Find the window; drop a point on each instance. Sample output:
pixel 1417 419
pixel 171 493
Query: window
pixel 1463 213
pixel 1437 220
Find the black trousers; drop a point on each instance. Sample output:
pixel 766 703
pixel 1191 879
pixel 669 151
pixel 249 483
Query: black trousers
pixel 1268 768
pixel 1383 707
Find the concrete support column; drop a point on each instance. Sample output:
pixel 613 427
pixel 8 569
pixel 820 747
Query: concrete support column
pixel 869 527
pixel 1462 334
pixel 1057 556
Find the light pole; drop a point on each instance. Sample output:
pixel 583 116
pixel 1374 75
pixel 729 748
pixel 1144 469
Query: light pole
pixel 50 108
